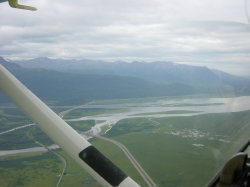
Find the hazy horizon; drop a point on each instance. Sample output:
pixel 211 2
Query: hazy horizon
pixel 210 33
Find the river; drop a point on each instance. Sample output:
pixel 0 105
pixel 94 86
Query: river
pixel 152 109
pixel 28 150
pixel 155 109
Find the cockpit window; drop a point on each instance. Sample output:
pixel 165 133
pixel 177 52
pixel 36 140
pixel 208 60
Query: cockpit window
pixel 161 88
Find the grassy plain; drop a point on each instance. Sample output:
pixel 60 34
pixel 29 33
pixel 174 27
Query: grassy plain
pixel 170 160
pixel 126 126
pixel 11 118
pixel 22 169
pixel 175 151
pixel 153 99
pixel 183 151
pixel 43 169
pixel 168 112
pixel 125 101
pixel 23 138
pixel 81 112
pixel 82 125
pixel 190 104
pixel 27 170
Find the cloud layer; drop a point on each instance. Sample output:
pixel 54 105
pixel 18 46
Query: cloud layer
pixel 210 32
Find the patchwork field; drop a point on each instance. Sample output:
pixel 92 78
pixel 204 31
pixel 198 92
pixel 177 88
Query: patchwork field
pixel 174 151
pixel 29 170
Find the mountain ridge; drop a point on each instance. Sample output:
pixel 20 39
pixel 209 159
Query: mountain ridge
pixel 157 72
pixel 122 80
pixel 68 88
pixel 9 65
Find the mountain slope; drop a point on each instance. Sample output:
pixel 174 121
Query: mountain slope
pixel 75 89
pixel 66 88
pixel 9 65
pixel 159 72
pixel 240 84
pixel 104 80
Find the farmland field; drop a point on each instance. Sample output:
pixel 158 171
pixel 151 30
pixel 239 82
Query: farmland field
pixel 179 142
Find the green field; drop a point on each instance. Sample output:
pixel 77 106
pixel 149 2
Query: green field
pixel 176 162
pixel 153 99
pixel 183 151
pixel 190 104
pixel 20 170
pixel 175 151
pixel 81 112
pixel 27 170
pixel 42 169
pixel 168 112
pixel 23 138
pixel 82 125
pixel 11 118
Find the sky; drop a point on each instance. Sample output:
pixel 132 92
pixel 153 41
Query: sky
pixel 212 33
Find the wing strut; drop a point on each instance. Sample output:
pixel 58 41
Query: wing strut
pixel 87 156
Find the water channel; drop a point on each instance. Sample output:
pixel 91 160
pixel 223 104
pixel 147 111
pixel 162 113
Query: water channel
pixel 152 109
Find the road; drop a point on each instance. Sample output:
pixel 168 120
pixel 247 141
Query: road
pixel 64 167
pixel 46 148
pixel 63 113
pixel 60 157
pixel 64 163
pixel 16 128
pixel 137 166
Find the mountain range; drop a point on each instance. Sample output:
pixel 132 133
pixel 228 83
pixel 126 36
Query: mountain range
pixel 80 81
pixel 159 72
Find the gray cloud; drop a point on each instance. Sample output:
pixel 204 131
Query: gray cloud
pixel 209 32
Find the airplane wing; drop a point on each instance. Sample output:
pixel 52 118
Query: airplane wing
pixel 14 4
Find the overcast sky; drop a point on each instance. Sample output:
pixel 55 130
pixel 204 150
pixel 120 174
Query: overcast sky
pixel 213 33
